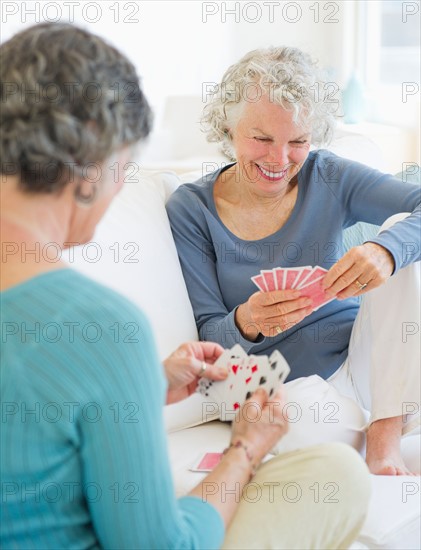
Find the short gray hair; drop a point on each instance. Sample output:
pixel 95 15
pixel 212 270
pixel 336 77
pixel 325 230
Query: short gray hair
pixel 68 99
pixel 290 77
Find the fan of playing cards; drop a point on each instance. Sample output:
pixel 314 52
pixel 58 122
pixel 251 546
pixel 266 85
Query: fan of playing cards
pixel 246 373
pixel 308 279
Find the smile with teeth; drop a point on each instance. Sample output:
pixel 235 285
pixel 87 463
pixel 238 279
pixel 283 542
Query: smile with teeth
pixel 272 175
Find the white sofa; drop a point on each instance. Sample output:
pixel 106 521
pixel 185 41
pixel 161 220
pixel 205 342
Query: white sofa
pixel 134 253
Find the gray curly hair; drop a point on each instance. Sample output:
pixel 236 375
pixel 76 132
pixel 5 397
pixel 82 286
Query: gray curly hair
pixel 290 77
pixel 68 100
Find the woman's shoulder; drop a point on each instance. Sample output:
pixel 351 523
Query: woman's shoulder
pixel 328 166
pixel 199 190
pixel 319 157
pixel 188 193
pixel 324 159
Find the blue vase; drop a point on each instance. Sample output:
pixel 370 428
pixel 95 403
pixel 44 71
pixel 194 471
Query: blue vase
pixel 353 103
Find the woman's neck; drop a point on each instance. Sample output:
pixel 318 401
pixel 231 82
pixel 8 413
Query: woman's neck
pixel 234 189
pixel 30 226
pixel 42 218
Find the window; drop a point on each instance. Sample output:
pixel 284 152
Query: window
pixel 389 58
pixel 393 42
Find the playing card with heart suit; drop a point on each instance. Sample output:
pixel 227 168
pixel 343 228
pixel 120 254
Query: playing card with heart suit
pixel 245 375
pixel 259 371
pixel 232 360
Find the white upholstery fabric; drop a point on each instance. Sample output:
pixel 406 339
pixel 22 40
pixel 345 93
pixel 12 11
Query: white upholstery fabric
pixel 147 271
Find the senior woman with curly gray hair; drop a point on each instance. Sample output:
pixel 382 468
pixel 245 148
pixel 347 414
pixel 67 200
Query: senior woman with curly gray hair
pixel 280 204
pixel 83 452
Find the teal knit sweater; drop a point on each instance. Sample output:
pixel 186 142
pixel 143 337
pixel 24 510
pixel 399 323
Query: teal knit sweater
pixel 84 460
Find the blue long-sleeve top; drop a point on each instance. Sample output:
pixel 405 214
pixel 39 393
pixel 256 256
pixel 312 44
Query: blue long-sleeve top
pixel 84 459
pixel 333 194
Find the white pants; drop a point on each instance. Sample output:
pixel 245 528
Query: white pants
pixel 380 377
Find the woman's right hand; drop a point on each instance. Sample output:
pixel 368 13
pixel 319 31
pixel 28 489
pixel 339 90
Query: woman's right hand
pixel 258 426
pixel 260 423
pixel 270 313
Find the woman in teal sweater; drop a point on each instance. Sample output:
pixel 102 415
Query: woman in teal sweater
pixel 84 459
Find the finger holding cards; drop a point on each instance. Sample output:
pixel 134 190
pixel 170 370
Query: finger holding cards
pixel 246 374
pixel 279 324
pixel 260 423
pixel 361 269
pixel 280 308
pixel 309 280
pixel 191 360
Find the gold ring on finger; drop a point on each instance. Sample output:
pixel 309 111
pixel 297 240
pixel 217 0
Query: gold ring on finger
pixel 278 329
pixel 360 286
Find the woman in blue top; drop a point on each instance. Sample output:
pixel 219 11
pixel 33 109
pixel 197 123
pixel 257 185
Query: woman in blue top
pixel 83 452
pixel 280 204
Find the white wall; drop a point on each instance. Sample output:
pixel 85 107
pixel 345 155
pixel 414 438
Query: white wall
pixel 178 45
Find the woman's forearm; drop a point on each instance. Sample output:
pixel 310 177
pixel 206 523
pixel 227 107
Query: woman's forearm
pixel 224 486
pixel 244 323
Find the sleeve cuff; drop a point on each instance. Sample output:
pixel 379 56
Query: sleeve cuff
pixel 231 328
pixel 397 261
pixel 205 521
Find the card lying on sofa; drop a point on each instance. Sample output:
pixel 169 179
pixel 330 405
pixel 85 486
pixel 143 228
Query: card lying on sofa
pixel 246 373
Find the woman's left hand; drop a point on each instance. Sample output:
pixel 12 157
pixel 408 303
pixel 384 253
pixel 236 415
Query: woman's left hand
pixel 361 269
pixel 184 367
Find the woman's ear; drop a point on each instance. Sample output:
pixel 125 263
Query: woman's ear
pixel 86 185
pixel 85 192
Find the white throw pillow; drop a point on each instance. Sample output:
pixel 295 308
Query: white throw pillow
pixel 133 252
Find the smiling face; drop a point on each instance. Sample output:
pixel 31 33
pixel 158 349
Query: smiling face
pixel 270 148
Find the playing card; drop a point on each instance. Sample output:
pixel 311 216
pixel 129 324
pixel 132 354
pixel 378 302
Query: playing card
pixel 260 371
pixel 316 292
pixel 235 387
pixel 278 274
pixel 209 388
pixel 304 271
pixel 250 376
pixel 206 463
pixel 279 369
pixel 316 273
pixel 230 359
pixel 245 375
pixel 269 278
pixel 290 275
pixel 259 281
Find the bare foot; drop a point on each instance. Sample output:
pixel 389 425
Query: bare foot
pixel 383 448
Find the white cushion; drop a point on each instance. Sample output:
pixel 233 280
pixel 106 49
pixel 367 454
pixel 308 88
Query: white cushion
pixel 193 411
pixel 358 148
pixel 393 519
pixel 137 257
